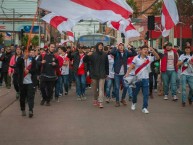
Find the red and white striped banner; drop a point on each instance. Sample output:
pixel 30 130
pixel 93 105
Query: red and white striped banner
pixel 59 22
pixel 125 27
pixel 169 16
pixel 102 10
pixel 70 35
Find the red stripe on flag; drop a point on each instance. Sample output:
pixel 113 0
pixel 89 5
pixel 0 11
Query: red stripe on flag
pixel 104 5
pixel 130 27
pixel 69 33
pixel 169 24
pixel 116 25
pixel 57 20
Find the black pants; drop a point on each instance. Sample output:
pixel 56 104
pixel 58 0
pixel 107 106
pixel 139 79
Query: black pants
pixel 16 83
pixel 152 77
pixel 27 92
pixel 7 79
pixel 1 76
pixel 47 88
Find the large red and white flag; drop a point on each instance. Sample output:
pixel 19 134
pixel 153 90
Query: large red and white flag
pixel 70 35
pixel 130 31
pixel 59 22
pixel 102 10
pixel 125 27
pixel 169 16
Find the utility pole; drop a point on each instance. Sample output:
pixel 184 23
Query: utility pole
pixel 13 26
pixel 39 31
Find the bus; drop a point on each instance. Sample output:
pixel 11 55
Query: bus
pixel 93 39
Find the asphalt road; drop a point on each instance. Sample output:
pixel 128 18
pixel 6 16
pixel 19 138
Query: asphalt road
pixel 72 122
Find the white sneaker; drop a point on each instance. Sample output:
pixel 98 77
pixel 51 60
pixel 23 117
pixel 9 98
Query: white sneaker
pixel 84 98
pixel 155 90
pixel 144 110
pixel 79 99
pixel 178 91
pixel 166 97
pixel 175 98
pixel 133 106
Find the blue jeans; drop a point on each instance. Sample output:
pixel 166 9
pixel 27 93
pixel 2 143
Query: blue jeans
pixel 189 80
pixel 128 89
pixel 65 82
pixel 80 84
pixel 118 79
pixel 169 79
pixel 109 84
pixel 58 85
pixel 144 84
pixel 178 83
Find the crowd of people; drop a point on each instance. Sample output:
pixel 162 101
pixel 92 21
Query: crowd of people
pixel 107 69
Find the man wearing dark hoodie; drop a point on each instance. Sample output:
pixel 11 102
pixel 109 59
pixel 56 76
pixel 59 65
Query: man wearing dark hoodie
pixel 99 71
pixel 48 63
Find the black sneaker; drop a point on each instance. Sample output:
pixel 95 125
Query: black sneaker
pixel 66 93
pixel 48 104
pixel 30 114
pixel 189 101
pixel 183 104
pixel 42 102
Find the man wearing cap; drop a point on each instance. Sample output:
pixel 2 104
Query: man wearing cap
pixel 120 68
pixel 169 70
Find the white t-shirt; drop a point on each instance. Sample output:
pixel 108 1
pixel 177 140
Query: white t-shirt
pixel 111 67
pixel 170 61
pixel 65 69
pixel 27 78
pixel 189 70
pixel 138 61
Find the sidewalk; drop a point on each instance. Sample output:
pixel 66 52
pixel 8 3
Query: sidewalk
pixel 7 97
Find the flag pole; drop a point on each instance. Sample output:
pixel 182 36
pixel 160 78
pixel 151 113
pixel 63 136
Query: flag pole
pixel 29 40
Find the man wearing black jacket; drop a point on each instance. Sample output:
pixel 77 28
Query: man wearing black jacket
pixel 80 70
pixel 26 70
pixel 99 70
pixel 5 58
pixel 48 63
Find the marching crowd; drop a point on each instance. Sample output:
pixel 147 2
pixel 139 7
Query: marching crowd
pixel 109 69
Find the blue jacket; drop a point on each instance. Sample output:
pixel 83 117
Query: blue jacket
pixel 119 60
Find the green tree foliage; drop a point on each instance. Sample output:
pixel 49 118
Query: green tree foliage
pixel 35 40
pixel 185 10
pixel 24 40
pixel 133 5
pixel 1 38
pixel 156 9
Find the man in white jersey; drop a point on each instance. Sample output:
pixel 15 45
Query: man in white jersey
pixel 141 63
pixel 186 75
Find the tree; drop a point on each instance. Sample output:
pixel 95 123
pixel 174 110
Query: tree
pixel 185 10
pixel 35 40
pixel 156 9
pixel 24 40
pixel 133 5
pixel 1 38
